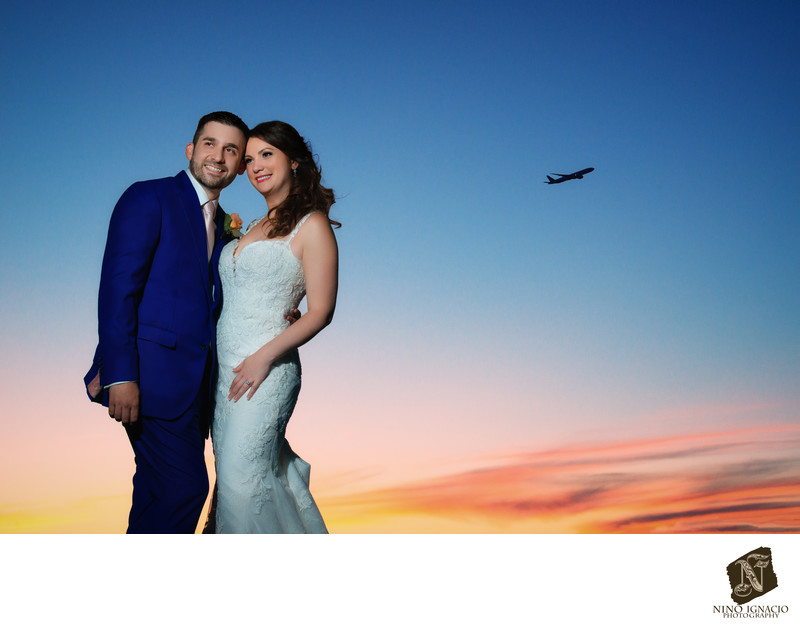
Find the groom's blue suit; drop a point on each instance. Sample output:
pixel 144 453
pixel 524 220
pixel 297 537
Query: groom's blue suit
pixel 158 301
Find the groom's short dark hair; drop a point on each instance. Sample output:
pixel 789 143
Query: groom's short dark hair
pixel 226 118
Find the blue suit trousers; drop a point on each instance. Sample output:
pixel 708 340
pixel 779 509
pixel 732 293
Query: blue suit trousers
pixel 170 485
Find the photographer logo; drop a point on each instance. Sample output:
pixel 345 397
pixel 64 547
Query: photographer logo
pixel 751 576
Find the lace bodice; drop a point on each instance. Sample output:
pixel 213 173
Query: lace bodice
pixel 261 283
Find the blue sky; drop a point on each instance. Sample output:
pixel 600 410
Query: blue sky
pixel 484 309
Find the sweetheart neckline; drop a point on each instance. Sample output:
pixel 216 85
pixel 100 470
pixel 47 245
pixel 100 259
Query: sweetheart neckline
pixel 235 257
pixel 257 241
pixel 287 241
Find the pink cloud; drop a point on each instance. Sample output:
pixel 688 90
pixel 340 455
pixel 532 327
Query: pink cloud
pixel 739 480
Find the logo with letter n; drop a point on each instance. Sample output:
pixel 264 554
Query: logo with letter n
pixel 752 575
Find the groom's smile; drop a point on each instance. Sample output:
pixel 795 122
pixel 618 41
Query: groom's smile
pixel 213 170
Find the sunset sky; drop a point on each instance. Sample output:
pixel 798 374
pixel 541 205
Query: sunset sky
pixel 619 354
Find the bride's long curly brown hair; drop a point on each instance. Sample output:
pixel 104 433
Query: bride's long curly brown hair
pixel 307 193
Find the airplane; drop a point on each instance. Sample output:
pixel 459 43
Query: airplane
pixel 563 177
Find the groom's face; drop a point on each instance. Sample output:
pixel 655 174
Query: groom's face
pixel 216 158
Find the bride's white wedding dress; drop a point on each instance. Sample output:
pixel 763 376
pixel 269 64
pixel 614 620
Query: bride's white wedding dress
pixel 262 485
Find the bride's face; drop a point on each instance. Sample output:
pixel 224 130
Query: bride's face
pixel 269 170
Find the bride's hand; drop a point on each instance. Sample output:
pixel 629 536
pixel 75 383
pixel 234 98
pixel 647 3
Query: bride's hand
pixel 250 374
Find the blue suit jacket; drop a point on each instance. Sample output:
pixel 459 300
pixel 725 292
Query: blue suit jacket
pixel 159 297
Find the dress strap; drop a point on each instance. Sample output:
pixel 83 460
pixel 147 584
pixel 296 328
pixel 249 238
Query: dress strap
pixel 299 224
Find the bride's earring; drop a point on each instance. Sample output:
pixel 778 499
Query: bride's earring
pixel 294 172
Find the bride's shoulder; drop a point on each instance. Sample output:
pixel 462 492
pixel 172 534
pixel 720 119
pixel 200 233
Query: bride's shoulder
pixel 314 222
pixel 313 231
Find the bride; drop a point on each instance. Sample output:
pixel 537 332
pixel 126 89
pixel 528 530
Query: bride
pixel 291 252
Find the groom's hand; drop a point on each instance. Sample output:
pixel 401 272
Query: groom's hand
pixel 293 316
pixel 123 402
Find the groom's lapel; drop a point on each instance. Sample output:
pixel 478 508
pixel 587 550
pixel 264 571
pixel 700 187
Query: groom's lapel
pixel 219 244
pixel 219 218
pixel 197 228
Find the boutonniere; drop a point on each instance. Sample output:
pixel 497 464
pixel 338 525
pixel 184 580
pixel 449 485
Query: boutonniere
pixel 232 224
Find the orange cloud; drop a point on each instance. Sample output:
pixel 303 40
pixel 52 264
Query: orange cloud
pixel 732 481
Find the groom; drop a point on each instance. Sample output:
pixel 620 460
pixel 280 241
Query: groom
pixel 158 301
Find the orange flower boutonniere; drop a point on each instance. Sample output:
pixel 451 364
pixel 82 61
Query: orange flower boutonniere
pixel 232 225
